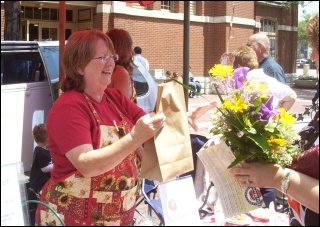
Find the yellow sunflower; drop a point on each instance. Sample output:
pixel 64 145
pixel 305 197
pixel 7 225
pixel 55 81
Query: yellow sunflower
pixel 107 181
pixel 122 183
pixel 64 200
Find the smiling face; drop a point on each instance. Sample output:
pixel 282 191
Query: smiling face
pixel 86 61
pixel 97 73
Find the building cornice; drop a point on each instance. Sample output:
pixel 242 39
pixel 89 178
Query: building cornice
pixel 121 8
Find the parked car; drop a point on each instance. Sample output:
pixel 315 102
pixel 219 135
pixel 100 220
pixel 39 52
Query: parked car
pixel 29 86
pixel 301 62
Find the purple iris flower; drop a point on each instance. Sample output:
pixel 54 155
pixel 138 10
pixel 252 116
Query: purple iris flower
pixel 240 76
pixel 267 111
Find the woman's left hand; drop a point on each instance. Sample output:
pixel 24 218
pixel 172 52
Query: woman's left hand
pixel 256 174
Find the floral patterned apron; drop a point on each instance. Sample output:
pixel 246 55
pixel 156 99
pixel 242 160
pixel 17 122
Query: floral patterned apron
pixel 106 199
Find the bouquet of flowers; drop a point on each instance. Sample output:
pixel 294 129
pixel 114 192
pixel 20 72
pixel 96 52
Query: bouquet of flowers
pixel 253 129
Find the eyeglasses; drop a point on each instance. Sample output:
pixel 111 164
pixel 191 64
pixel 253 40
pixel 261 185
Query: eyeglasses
pixel 107 58
pixel 249 45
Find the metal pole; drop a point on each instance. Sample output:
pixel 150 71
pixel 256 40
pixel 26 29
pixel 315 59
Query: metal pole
pixel 186 44
pixel 62 38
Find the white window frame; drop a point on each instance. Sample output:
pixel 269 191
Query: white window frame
pixel 269 26
pixel 193 7
pixel 167 6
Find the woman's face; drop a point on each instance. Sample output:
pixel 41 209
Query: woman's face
pixel 97 73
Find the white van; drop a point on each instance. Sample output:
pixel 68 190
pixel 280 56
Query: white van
pixel 29 86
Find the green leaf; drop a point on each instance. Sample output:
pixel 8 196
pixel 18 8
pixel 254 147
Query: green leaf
pixel 252 130
pixel 238 160
pixel 260 140
pixel 219 95
pixel 270 126
pixel 235 140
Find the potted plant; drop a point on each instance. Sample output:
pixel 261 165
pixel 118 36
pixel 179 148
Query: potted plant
pixel 309 82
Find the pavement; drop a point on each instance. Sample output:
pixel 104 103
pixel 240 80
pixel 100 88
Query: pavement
pixel 303 101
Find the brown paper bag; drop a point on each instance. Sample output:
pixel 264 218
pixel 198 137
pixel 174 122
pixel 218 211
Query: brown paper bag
pixel 168 154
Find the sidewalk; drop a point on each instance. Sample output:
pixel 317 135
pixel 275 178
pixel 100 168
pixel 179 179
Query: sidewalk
pixel 303 100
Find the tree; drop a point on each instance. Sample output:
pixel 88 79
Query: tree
pixel 303 4
pixel 12 10
pixel 302 38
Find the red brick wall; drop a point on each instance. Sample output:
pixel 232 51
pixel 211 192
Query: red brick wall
pixel 2 21
pixel 162 40
pixel 287 40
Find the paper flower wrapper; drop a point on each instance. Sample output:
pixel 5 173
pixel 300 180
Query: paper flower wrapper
pixel 234 198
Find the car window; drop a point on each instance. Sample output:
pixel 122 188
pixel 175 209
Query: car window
pixel 50 55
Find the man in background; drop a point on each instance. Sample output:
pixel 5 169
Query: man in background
pixel 260 43
pixel 138 57
pixel 195 85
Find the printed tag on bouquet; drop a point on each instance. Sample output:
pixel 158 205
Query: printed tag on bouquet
pixel 234 198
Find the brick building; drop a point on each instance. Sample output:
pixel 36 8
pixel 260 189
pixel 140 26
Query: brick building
pixel 215 27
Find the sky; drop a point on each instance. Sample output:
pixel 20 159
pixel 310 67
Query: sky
pixel 311 8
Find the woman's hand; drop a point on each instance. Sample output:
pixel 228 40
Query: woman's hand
pixel 257 174
pixel 194 115
pixel 147 126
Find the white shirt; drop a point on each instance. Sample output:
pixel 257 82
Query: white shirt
pixel 142 60
pixel 146 88
pixel 278 89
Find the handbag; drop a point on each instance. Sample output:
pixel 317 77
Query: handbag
pixel 168 154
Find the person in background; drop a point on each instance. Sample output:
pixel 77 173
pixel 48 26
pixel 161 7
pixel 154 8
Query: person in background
pixel 146 87
pixel 121 76
pixel 168 73
pixel 41 167
pixel 300 181
pixel 195 85
pixel 260 43
pixel 283 95
pixel 138 57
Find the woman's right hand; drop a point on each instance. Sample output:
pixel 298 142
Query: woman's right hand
pixel 147 126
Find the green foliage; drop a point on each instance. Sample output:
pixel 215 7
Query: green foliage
pixel 302 38
pixel 307 78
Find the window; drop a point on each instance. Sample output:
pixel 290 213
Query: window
pixel 54 14
pixel 37 13
pixel 49 34
pixel 193 7
pixel 69 15
pixel 28 12
pixel 43 13
pixel 166 5
pixel 268 27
